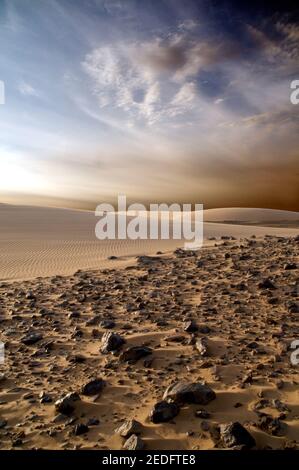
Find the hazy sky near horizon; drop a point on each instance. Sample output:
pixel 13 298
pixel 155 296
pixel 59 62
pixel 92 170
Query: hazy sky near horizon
pixel 169 100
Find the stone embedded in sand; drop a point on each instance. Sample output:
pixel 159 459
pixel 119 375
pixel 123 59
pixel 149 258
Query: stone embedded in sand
pixel 3 423
pixel 31 338
pixel 190 326
pixel 203 414
pixel 135 353
pixel 204 329
pixel 77 359
pixel 111 342
pixel 134 443
pixel 93 387
pixel 175 338
pixel 129 427
pixel 163 411
pixel 234 434
pixel 45 398
pixel 197 392
pixel 266 284
pixel 272 426
pixel 80 429
pixel 30 296
pixel 293 307
pixel 2 377
pixel 143 259
pixel 107 324
pixel 202 347
pixel 66 405
pixel 290 266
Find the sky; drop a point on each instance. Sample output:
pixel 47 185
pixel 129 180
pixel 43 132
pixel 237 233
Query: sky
pixel 164 101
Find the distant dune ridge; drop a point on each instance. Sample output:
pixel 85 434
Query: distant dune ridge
pixel 252 216
pixel 43 241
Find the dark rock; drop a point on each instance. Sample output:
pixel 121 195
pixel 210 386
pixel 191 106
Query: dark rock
pixel 234 434
pixel 3 423
pixel 93 387
pixel 135 353
pixel 66 405
pixel 93 422
pixel 197 392
pixel 203 414
pixel 204 329
pixel 266 284
pixel 190 326
pixel 163 411
pixel 293 307
pixel 111 342
pixel 45 398
pixel 290 266
pixel 271 425
pixel 77 359
pixel 107 324
pixel 31 338
pixel 80 429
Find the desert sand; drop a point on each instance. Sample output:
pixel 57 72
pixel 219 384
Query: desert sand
pixel 179 350
pixel 42 241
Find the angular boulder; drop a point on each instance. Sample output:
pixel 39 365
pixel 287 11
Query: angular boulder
pixel 66 404
pixel 196 392
pixel 134 443
pixel 135 353
pixel 129 427
pixel 111 342
pixel 93 387
pixel 234 434
pixel 163 411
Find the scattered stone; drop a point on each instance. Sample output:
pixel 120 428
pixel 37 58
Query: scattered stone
pixel 93 422
pixel 66 405
pixel 182 393
pixel 129 427
pixel 80 429
pixel 190 326
pixel 290 266
pixel 111 342
pixel 266 284
pixel 134 443
pixel 163 411
pixel 202 347
pixel 45 398
pixel 107 324
pixel 135 353
pixel 31 338
pixel 203 414
pixel 93 387
pixel 271 425
pixel 234 434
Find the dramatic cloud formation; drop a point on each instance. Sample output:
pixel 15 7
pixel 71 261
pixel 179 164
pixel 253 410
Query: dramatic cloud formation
pixel 168 101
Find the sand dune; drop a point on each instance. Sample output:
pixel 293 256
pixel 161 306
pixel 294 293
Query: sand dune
pixel 42 241
pixel 251 215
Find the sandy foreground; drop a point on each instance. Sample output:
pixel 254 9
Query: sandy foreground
pixel 215 326
pixel 43 241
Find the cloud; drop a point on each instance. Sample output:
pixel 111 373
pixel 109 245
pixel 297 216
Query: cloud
pixel 154 80
pixel 27 90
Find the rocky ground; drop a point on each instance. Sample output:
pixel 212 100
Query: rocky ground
pixel 181 351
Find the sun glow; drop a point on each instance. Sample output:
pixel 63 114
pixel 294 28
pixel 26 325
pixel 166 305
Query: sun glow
pixel 13 175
